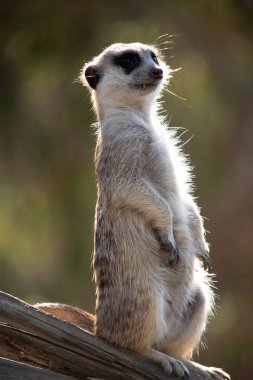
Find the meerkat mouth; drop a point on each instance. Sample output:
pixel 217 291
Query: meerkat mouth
pixel 145 86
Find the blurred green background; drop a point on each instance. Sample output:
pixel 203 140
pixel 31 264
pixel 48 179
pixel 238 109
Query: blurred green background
pixel 47 186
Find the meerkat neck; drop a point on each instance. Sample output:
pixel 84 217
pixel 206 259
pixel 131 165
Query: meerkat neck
pixel 143 110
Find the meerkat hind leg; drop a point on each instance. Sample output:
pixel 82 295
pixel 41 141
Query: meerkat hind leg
pixel 169 364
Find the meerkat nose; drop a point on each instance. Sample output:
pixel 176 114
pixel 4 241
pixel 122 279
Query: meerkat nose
pixel 157 73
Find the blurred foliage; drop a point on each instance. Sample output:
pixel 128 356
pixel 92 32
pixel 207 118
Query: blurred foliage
pixel 47 187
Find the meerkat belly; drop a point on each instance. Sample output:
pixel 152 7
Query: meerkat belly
pixel 161 172
pixel 176 285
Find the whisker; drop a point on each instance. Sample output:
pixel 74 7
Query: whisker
pixel 186 142
pixel 176 128
pixel 185 131
pixel 166 48
pixel 166 42
pixel 172 35
pixel 175 70
pixel 168 39
pixel 161 36
pixel 179 97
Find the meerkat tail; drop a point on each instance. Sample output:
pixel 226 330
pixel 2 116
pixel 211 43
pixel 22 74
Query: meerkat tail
pixel 72 314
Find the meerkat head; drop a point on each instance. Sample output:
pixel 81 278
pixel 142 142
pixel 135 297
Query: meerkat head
pixel 125 75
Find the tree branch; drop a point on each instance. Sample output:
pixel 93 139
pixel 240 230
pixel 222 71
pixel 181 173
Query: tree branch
pixel 35 338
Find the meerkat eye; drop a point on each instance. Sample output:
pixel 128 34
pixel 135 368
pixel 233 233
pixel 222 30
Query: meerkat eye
pixel 128 61
pixel 154 57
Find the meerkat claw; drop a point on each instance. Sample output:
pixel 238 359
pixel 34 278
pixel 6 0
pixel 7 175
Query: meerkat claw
pixel 172 255
pixel 171 251
pixel 205 258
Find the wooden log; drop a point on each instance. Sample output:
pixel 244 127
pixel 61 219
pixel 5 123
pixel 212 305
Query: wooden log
pixel 12 370
pixel 33 337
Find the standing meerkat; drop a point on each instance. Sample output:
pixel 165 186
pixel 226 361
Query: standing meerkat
pixel 153 293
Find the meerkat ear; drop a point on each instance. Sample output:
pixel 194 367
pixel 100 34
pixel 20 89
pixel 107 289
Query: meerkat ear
pixel 92 76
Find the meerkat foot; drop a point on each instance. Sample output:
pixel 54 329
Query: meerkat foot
pixel 217 373
pixel 170 365
pixel 213 372
pixel 205 258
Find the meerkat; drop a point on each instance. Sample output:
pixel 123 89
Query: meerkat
pixel 153 293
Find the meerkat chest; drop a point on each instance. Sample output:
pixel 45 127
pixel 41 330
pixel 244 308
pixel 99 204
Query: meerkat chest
pixel 160 168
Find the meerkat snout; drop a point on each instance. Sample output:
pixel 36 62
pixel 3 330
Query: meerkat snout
pixel 156 73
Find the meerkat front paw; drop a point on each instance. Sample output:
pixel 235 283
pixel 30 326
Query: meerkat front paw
pixel 170 365
pixel 204 257
pixel 171 252
pixel 174 366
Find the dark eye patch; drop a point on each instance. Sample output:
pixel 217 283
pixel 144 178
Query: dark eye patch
pixel 128 60
pixel 154 57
